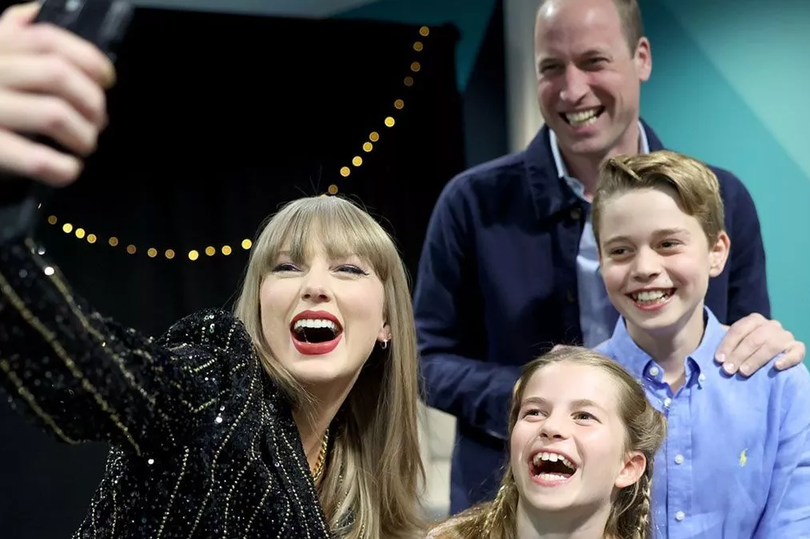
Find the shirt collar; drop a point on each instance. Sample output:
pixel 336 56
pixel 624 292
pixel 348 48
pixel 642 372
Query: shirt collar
pixel 639 363
pixel 562 170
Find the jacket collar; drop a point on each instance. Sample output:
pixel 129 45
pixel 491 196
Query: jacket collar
pixel 550 193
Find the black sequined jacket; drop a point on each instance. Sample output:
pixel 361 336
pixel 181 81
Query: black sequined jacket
pixel 202 443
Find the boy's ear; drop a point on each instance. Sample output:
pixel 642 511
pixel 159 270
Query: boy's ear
pixel 718 254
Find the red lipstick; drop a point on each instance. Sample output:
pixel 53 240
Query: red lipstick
pixel 315 348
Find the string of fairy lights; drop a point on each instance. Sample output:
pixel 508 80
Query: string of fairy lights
pixel 367 147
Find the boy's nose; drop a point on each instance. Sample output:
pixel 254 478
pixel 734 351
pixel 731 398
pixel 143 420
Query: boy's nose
pixel 646 265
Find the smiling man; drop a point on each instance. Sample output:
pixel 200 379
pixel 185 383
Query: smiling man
pixel 510 267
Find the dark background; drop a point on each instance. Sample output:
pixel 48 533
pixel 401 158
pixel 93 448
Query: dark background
pixel 217 120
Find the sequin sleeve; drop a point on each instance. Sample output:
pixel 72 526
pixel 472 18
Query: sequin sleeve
pixel 84 377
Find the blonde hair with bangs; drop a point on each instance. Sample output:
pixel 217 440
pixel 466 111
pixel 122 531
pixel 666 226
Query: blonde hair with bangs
pixel 371 487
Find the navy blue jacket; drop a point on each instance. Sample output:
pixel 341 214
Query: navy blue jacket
pixel 497 287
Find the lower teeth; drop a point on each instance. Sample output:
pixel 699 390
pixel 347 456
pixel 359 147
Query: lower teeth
pixel 589 121
pixel 552 477
pixel 651 301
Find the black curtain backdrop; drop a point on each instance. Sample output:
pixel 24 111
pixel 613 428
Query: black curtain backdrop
pixel 216 121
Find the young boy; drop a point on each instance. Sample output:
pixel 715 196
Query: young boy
pixel 736 461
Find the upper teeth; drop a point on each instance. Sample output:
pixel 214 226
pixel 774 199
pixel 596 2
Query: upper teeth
pixel 648 295
pixel 553 457
pixel 315 323
pixel 581 117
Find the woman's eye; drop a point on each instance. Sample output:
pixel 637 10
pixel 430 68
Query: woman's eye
pixel 352 269
pixel 285 266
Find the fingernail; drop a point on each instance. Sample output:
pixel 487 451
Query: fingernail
pixel 720 358
pixel 745 369
pixel 780 365
pixel 729 368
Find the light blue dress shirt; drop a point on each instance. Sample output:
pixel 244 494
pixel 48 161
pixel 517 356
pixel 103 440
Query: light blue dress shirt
pixel 596 314
pixel 736 461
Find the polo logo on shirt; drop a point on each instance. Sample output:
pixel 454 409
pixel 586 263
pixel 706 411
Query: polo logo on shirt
pixel 744 457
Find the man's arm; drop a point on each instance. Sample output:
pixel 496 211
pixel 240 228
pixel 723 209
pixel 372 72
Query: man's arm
pixel 747 282
pixel 450 322
pixel 787 510
pixel 753 339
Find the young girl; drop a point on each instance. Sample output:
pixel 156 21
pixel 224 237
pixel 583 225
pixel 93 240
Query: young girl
pixel 582 441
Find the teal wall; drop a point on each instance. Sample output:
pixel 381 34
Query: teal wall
pixel 730 86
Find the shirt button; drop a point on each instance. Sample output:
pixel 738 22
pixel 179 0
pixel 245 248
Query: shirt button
pixel 654 371
pixel 667 402
pixel 576 213
pixel 702 378
pixel 678 459
pixel 680 515
pixel 571 297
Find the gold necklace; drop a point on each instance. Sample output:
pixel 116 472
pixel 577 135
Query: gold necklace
pixel 321 457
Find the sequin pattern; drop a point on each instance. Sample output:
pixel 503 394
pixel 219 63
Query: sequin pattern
pixel 202 443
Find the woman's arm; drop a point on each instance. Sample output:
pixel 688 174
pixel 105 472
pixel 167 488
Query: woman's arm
pixel 79 374
pixel 85 377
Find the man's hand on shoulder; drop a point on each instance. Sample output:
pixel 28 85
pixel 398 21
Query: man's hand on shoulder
pixel 752 342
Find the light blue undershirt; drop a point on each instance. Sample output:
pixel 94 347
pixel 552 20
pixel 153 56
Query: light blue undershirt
pixel 597 316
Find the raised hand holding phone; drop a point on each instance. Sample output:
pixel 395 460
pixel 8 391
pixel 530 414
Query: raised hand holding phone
pixel 52 84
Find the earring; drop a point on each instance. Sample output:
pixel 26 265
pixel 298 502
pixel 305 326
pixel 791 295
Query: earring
pixel 384 345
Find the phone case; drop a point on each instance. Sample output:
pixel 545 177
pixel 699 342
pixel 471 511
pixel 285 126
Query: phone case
pixel 101 22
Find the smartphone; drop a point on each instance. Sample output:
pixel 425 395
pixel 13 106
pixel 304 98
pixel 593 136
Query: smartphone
pixel 101 22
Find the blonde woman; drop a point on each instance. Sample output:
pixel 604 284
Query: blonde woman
pixel 294 418
pixel 582 443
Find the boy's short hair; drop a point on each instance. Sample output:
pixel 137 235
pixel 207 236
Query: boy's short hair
pixel 697 190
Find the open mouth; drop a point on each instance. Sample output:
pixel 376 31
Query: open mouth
pixel 652 298
pixel 582 118
pixel 551 468
pixel 315 330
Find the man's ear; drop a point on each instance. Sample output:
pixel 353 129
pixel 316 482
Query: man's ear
pixel 643 59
